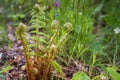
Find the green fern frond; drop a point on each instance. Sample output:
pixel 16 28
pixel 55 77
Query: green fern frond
pixel 38 17
pixel 37 23
pixel 42 48
pixel 68 26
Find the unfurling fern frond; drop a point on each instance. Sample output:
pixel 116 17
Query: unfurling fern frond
pixel 43 51
pixel 37 23
pixel 21 29
pixel 38 17
pixel 21 35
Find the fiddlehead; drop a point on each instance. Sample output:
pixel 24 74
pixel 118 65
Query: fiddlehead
pixel 21 35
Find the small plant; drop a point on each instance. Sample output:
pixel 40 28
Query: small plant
pixel 113 73
pixel 5 69
pixel 80 76
pixel 3 36
pixel 42 50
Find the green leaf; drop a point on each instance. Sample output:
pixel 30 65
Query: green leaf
pixel 98 77
pixel 5 69
pixel 113 73
pixel 80 76
pixel 96 46
pixel 43 40
pixel 32 54
pixel 40 33
pixel 98 8
pixel 57 67
pixel 2 77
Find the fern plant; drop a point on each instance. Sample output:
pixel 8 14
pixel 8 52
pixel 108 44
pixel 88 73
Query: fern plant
pixel 21 35
pixel 42 50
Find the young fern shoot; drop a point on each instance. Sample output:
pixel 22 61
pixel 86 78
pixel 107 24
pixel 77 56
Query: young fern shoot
pixel 21 35
pixel 44 51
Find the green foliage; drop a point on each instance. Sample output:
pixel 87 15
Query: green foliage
pixel 113 73
pixel 93 48
pixel 92 40
pixel 80 76
pixel 57 67
pixel 16 10
pixel 3 35
pixel 2 77
pixel 96 46
pixel 43 53
pixel 98 8
pixel 21 29
pixel 5 69
pixel 98 77
pixel 37 23
pixel 112 21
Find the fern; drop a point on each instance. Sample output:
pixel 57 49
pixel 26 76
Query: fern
pixel 44 51
pixel 37 22
pixel 21 35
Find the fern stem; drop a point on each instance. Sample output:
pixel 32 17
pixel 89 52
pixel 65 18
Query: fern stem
pixel 37 36
pixel 62 40
pixel 52 39
pixel 49 59
pixel 37 45
pixel 30 76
